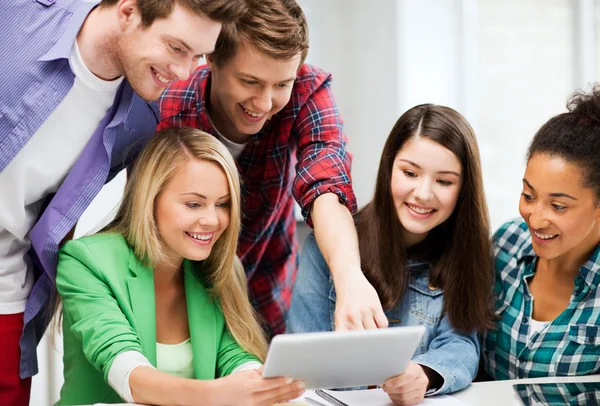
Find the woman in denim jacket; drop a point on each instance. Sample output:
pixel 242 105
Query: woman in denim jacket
pixel 424 246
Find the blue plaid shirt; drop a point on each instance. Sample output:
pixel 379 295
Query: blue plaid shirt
pixel 569 345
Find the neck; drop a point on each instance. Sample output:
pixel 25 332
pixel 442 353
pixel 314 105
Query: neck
pixel 98 41
pixel 168 274
pixel 219 119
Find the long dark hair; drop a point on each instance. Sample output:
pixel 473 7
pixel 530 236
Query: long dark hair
pixel 461 245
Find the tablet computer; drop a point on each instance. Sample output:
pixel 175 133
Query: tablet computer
pixel 554 394
pixel 343 359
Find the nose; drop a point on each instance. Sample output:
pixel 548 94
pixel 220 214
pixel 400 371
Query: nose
pixel 264 100
pixel 209 218
pixel 537 217
pixel 423 190
pixel 183 68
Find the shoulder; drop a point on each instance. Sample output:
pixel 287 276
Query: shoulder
pixel 309 79
pixel 182 95
pixel 511 244
pixel 512 236
pixel 99 246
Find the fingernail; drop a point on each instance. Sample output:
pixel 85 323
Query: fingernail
pixel 288 381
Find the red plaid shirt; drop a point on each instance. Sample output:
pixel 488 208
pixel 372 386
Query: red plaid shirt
pixel 299 153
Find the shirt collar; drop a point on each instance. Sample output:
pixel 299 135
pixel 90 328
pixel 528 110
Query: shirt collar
pixel 62 48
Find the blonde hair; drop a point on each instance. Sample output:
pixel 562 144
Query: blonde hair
pixel 159 161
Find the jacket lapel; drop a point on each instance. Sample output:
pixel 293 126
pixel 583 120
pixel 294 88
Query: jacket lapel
pixel 203 324
pixel 143 304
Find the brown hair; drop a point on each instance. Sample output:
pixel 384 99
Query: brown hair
pixel 276 28
pixel 459 248
pixel 223 11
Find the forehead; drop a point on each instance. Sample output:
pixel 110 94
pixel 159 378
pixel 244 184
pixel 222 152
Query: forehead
pixel 250 61
pixel 200 176
pixel 553 174
pixel 429 154
pixel 196 30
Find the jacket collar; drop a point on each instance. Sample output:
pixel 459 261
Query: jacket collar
pixel 201 307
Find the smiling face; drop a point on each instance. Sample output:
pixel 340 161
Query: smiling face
pixel 192 211
pixel 560 212
pixel 169 49
pixel 425 185
pixel 247 90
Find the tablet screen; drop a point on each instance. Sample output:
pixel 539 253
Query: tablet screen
pixel 573 394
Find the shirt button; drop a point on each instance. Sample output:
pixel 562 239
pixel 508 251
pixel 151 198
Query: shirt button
pixel 591 339
pixel 525 320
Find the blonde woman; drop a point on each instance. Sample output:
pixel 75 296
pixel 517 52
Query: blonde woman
pixel 155 307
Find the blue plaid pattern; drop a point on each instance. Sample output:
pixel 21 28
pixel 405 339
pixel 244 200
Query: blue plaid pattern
pixel 569 345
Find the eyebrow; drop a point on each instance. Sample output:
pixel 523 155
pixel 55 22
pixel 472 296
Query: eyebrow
pixel 440 172
pixel 557 194
pixel 262 80
pixel 185 45
pixel 202 196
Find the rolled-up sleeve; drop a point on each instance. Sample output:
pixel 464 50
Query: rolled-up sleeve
pixel 323 163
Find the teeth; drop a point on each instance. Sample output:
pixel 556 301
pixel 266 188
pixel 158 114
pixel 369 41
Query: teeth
pixel 201 237
pixel 251 113
pixel 544 236
pixel 161 77
pixel 420 210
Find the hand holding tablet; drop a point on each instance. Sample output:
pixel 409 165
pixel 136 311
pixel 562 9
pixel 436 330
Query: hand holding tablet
pixel 343 359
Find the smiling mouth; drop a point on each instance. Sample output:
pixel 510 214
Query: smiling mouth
pixel 160 77
pixel 251 113
pixel 545 237
pixel 420 210
pixel 205 237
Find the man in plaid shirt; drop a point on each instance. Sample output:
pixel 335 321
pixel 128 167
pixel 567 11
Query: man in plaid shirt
pixel 278 118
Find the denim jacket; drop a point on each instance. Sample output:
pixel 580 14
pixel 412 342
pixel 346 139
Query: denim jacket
pixel 452 354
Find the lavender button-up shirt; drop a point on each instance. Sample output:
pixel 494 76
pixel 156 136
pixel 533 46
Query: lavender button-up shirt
pixel 35 76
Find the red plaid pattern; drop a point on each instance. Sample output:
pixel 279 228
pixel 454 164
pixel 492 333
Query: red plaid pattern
pixel 299 153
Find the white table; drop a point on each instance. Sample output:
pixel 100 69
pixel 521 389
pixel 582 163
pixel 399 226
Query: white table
pixel 501 393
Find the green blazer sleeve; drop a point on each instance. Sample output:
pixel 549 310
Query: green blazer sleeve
pixel 91 309
pixel 231 355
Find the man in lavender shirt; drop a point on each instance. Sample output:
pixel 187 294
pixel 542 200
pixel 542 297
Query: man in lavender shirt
pixel 77 81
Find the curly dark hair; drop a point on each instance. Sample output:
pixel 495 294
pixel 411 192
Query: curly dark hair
pixel 574 136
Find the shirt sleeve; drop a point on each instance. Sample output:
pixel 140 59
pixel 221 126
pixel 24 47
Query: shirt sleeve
pixel 453 355
pixel 91 311
pixel 120 371
pixel 323 162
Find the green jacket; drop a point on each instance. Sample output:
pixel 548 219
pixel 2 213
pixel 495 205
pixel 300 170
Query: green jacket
pixel 109 307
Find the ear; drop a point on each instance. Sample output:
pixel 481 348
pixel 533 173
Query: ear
pixel 128 14
pixel 210 62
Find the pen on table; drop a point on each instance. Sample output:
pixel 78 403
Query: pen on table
pixel 330 398
pixel 313 402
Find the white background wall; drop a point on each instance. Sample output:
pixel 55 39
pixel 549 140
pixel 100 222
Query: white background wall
pixel 507 65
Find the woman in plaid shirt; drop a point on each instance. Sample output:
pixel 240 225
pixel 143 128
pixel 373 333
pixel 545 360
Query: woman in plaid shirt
pixel 552 255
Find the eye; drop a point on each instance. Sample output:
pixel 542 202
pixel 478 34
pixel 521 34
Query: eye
pixel 223 205
pixel 192 205
pixel 175 49
pixel 409 174
pixel 282 85
pixel 558 207
pixel 444 182
pixel 249 81
pixel 527 197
